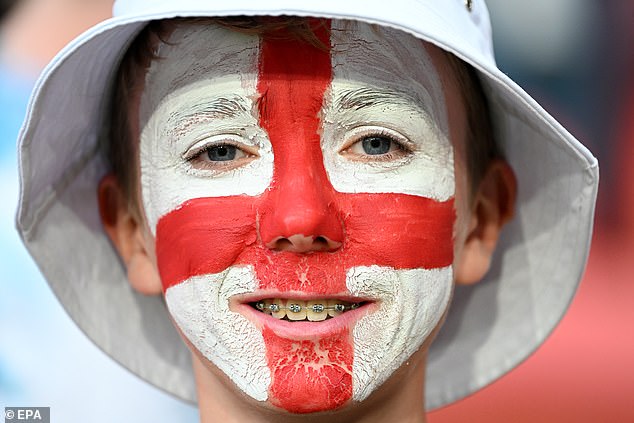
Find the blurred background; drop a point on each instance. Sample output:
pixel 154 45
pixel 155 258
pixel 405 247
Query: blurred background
pixel 574 56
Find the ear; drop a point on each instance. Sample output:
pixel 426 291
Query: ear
pixel 125 230
pixel 493 206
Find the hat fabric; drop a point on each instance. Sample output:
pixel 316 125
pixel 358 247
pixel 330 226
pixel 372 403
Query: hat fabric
pixel 492 326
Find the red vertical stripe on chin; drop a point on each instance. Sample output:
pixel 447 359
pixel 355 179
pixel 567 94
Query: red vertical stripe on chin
pixel 309 376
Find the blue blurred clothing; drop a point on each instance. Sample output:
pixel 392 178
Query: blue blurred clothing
pixel 44 359
pixel 14 263
pixel 14 95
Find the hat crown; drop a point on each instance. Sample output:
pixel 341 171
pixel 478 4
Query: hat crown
pixel 466 23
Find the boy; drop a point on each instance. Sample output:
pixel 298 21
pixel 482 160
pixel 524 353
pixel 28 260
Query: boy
pixel 304 192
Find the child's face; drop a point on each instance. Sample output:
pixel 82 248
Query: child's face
pixel 304 205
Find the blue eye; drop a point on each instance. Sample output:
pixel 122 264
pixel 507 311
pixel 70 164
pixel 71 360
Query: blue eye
pixel 373 146
pixel 221 153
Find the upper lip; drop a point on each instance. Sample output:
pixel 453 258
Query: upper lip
pixel 259 296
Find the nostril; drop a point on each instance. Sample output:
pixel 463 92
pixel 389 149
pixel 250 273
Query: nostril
pixel 321 243
pixel 303 244
pixel 282 244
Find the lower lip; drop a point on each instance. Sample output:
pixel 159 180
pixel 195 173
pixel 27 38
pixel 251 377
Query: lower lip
pixel 305 330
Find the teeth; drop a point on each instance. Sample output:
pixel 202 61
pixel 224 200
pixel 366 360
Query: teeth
pixel 316 311
pixel 276 307
pixel 296 310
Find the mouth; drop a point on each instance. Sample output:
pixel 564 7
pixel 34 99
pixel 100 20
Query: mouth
pixel 302 316
pixel 295 310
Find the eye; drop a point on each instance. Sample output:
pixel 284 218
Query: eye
pixel 221 154
pixel 376 144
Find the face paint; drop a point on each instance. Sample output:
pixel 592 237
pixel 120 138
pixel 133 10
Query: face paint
pixel 338 151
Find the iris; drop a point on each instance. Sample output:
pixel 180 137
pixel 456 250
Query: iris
pixel 221 153
pixel 376 145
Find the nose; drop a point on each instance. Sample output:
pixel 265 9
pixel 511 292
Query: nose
pixel 300 215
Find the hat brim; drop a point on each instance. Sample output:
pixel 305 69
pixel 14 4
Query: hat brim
pixel 492 326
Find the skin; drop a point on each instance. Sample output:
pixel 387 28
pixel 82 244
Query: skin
pixel 479 218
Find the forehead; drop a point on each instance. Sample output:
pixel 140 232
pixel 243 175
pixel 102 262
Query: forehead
pixel 391 63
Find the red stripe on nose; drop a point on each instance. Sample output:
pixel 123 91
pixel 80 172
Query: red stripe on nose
pixel 293 78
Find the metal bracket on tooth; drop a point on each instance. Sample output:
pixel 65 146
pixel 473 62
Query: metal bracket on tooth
pixel 317 308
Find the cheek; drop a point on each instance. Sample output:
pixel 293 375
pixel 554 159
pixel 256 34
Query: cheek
pixel 200 309
pixel 464 215
pixel 205 236
pixel 149 242
pixel 458 135
pixel 412 305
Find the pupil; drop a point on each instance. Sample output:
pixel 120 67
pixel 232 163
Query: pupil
pixel 221 153
pixel 376 145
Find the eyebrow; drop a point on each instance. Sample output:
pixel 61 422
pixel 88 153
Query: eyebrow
pixel 217 108
pixel 360 98
pixel 225 107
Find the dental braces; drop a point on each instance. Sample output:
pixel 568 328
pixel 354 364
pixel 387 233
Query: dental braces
pixel 316 308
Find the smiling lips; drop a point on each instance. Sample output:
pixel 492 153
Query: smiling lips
pixel 300 317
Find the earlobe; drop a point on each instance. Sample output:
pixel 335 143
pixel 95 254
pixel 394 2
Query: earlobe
pixel 124 229
pixel 493 206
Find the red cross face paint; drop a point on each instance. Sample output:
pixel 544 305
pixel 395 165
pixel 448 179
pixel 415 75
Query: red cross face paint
pixel 301 201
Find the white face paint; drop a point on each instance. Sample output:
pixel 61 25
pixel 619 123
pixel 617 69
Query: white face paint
pixel 203 93
pixel 230 341
pixel 413 301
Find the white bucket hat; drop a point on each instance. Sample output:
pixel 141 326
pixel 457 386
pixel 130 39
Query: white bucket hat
pixel 492 326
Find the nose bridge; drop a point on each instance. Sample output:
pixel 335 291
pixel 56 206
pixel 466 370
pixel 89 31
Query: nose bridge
pixel 305 204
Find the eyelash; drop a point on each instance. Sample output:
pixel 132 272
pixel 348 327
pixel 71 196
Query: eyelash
pixel 193 155
pixel 400 142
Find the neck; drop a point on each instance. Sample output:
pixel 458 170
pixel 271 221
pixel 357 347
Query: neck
pixel 399 399
pixel 37 29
